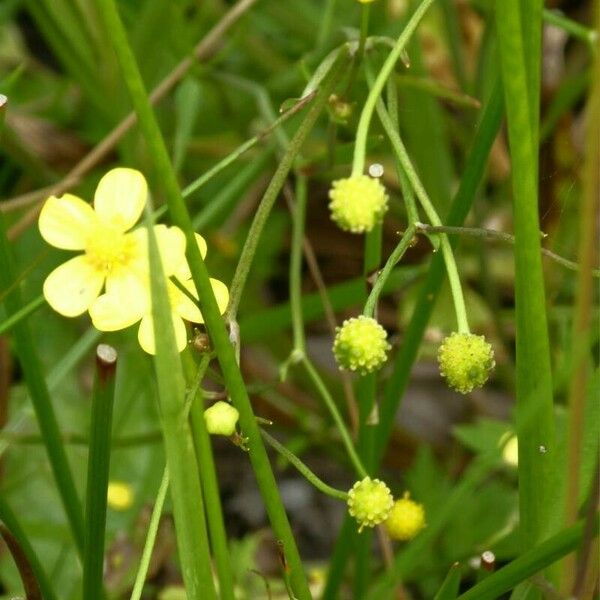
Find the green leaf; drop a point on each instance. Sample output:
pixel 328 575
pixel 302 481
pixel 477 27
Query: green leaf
pixel 449 589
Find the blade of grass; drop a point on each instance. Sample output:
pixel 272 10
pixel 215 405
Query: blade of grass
pixel 186 495
pixel 530 563
pixel 40 396
pixel 97 472
pixel 535 420
pixel 208 476
pixel 140 578
pixel 208 304
pixel 449 589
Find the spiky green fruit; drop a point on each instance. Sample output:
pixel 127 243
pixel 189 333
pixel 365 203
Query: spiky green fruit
pixel 466 361
pixel 357 203
pixel 370 502
pixel 360 345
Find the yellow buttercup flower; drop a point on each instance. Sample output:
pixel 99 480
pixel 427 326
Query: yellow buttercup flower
pixel 111 256
pixel 109 314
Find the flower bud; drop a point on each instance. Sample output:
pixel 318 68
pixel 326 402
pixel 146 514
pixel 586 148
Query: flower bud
pixel 370 502
pixel 406 519
pixel 221 418
pixel 357 203
pixel 466 361
pixel 360 345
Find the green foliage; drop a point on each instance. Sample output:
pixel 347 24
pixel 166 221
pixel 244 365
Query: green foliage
pixel 259 107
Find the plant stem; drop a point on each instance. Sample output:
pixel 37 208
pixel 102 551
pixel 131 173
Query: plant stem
pixel 303 469
pixel 504 237
pixel 394 258
pixel 272 191
pixel 186 494
pixel 535 418
pixel 97 472
pixel 140 578
pixel 529 563
pixel 407 166
pixel 208 477
pixel 362 131
pixel 208 305
pixel 298 221
pixel 335 413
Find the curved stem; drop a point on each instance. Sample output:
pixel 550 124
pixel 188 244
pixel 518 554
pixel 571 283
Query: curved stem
pixel 304 470
pixel 392 261
pixel 299 217
pixel 362 131
pixel 335 413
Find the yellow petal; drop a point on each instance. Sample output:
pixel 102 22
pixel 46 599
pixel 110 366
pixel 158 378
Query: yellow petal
pixel 120 197
pixel 221 294
pixel 109 313
pixel 129 287
pixel 171 242
pixel 183 304
pixel 65 222
pixel 72 287
pixel 183 271
pixel 146 334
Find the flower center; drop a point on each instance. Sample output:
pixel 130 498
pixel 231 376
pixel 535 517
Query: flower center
pixel 108 247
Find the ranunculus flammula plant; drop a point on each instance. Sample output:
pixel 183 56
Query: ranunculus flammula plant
pixel 114 258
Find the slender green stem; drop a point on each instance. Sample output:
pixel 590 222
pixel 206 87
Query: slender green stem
pixel 394 258
pixel 298 219
pixel 40 396
pixel 335 414
pixel 97 472
pixel 582 318
pixel 208 477
pixel 303 469
pixel 364 30
pixel 504 237
pixel 535 416
pixel 404 160
pixel 529 563
pixel 577 30
pixel 407 192
pixel 326 21
pixel 142 572
pixel 186 494
pixel 21 314
pixel 272 191
pixel 362 131
pixel 9 519
pixel 226 353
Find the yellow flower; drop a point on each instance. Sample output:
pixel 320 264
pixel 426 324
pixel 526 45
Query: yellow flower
pixel 110 256
pixel 406 519
pixel 119 495
pixel 109 313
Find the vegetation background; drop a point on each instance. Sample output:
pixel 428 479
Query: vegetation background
pixel 66 96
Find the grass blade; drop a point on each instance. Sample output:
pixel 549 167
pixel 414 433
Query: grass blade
pixel 97 473
pixel 449 589
pixel 535 420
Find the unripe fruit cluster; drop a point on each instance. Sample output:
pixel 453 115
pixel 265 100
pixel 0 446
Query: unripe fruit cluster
pixel 360 345
pixel 466 361
pixel 357 203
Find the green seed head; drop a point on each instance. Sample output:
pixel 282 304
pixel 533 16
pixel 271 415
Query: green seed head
pixel 466 361
pixel 406 519
pixel 360 345
pixel 221 418
pixel 370 502
pixel 357 203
